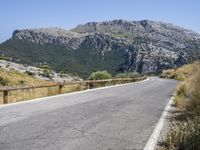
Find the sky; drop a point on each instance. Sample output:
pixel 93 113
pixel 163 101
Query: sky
pixel 26 14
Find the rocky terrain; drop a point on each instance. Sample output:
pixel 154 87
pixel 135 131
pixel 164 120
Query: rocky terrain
pixel 42 74
pixel 117 46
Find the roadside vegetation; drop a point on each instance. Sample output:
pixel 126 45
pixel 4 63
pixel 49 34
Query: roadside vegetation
pixel 14 78
pixel 184 132
pixel 100 75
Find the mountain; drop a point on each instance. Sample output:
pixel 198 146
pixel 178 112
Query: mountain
pixel 117 46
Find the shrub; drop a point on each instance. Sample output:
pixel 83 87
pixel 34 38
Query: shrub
pixel 45 66
pixel 128 75
pixel 100 75
pixel 46 73
pixel 30 73
pixel 22 82
pixel 4 81
pixel 5 58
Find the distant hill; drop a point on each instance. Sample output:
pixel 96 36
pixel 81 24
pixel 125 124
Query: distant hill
pixel 117 46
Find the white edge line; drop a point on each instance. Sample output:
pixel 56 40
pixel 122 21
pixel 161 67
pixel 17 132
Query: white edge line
pixel 66 94
pixel 152 142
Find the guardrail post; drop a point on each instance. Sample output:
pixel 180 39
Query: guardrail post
pixel 91 85
pixel 60 89
pixel 88 86
pixel 115 82
pixel 5 97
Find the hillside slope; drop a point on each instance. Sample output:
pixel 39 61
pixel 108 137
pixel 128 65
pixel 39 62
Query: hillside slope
pixel 14 78
pixel 117 46
pixel 10 70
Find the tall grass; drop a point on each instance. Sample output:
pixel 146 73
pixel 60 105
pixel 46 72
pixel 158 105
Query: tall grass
pixel 184 133
pixel 182 73
pixel 188 91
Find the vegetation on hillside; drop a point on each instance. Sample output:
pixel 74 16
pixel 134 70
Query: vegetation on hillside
pixel 5 58
pixel 181 73
pixel 184 133
pixel 100 75
pixel 82 61
pixel 14 78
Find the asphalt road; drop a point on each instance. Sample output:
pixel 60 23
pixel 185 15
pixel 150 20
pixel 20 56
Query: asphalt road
pixel 116 118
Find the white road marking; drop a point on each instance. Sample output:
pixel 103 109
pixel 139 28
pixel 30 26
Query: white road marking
pixel 151 144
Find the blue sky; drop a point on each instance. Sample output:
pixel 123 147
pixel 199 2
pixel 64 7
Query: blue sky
pixel 20 14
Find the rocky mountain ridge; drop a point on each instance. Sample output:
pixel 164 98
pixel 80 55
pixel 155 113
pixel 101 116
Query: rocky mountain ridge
pixel 143 46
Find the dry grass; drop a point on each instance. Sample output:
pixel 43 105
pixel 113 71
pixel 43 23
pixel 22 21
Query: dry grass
pixel 184 133
pixel 181 73
pixel 188 92
pixel 14 78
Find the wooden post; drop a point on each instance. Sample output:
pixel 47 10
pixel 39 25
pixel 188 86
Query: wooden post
pixel 5 97
pixel 60 89
pixel 88 86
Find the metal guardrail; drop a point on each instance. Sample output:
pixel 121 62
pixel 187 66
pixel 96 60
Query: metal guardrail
pixel 88 83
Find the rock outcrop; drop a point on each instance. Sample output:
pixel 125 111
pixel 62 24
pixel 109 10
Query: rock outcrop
pixel 39 73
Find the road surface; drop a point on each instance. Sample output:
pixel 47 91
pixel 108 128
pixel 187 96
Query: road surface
pixel 115 118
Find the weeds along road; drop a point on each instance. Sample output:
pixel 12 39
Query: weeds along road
pixel 115 118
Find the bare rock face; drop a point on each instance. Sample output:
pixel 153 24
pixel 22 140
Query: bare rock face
pixel 143 46
pixel 50 36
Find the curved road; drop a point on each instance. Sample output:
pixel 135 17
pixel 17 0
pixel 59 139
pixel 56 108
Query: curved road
pixel 115 118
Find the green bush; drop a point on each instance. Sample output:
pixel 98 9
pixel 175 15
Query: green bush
pixel 100 75
pixel 5 58
pixel 128 75
pixel 45 66
pixel 22 82
pixel 4 82
pixel 46 73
